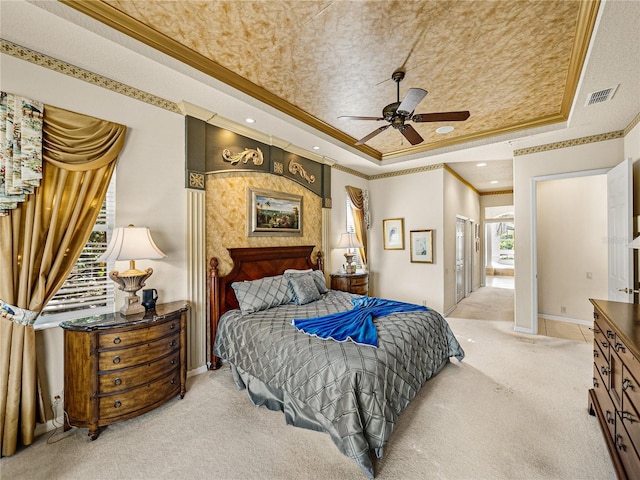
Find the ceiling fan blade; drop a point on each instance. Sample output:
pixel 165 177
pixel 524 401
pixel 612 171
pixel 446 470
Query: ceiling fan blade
pixel 411 100
pixel 441 117
pixel 351 117
pixel 371 135
pixel 412 135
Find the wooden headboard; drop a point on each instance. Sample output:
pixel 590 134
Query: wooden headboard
pixel 251 264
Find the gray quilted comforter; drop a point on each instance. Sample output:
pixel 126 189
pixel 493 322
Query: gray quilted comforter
pixel 353 392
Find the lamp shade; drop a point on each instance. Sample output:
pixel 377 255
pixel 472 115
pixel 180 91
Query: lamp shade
pixel 349 240
pixel 131 243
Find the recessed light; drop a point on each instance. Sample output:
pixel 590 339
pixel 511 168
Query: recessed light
pixel 493 182
pixel 249 120
pixel 315 147
pixel 446 129
pixel 481 164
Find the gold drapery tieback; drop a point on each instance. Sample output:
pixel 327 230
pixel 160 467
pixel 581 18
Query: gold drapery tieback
pixel 17 314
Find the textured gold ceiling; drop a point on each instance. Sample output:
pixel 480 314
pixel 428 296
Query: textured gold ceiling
pixel 513 64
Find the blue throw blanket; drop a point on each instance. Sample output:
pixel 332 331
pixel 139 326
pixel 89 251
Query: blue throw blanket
pixel 355 324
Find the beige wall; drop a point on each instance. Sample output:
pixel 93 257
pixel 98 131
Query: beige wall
pixel 418 198
pixel 585 157
pixel 571 245
pixel 459 200
pixel 226 205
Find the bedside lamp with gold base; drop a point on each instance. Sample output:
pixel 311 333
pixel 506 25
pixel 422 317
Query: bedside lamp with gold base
pixel 131 243
pixel 349 241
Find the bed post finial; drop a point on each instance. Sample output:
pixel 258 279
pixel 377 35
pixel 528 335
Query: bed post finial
pixel 320 260
pixel 214 309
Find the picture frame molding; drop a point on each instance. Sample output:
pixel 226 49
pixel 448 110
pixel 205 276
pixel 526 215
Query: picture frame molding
pixel 388 224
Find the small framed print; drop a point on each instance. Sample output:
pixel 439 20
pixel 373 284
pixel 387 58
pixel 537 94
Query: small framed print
pixel 393 232
pixel 421 246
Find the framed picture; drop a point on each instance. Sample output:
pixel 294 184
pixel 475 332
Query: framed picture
pixel 421 246
pixel 393 232
pixel 271 214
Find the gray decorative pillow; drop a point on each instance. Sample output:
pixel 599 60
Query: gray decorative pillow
pixel 267 292
pixel 304 288
pixel 321 283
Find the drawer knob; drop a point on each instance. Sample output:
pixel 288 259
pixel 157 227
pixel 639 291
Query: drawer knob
pixel 604 370
pixel 595 382
pixel 610 418
pixel 621 446
pixel 116 359
pixel 173 326
pixel 117 404
pixel 117 340
pixel 610 334
pixel 173 361
pixel 627 416
pixel 117 381
pixel 619 346
pixel 604 344
pixel 173 381
pixel 595 353
pixel 626 383
pixel 173 343
pixel 594 330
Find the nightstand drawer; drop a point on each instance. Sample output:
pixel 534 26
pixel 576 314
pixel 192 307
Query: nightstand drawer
pixel 125 379
pixel 121 404
pixel 129 357
pixel 137 335
pixel 359 281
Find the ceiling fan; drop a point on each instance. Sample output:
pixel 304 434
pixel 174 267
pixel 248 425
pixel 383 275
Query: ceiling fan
pixel 398 113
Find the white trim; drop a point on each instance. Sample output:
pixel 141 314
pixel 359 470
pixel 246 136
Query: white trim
pixel 197 371
pixel 525 330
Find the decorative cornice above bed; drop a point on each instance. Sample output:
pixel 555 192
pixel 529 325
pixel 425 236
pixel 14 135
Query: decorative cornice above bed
pixel 211 149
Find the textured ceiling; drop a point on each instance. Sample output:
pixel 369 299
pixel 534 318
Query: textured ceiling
pixel 513 64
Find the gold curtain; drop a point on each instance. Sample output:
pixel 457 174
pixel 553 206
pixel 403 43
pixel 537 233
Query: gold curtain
pixel 40 242
pixel 357 208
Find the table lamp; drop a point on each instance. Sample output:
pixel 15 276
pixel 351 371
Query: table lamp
pixel 131 243
pixel 349 241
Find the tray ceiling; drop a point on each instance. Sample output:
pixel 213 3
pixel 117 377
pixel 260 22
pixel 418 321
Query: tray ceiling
pixel 513 64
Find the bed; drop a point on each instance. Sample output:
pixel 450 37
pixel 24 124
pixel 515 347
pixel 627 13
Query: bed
pixel 353 392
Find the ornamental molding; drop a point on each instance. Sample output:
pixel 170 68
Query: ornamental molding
pixel 255 155
pixel 295 168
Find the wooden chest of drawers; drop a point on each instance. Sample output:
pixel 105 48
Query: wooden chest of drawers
pixel 615 396
pixel 117 367
pixel 353 282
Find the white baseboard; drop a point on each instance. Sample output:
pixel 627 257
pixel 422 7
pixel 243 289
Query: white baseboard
pixel 197 371
pixel 579 321
pixel 523 330
pixel 448 312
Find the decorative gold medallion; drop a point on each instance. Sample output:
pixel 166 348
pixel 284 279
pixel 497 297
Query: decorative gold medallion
pixel 248 154
pixel 295 167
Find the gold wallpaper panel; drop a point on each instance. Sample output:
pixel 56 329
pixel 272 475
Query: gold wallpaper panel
pixel 226 206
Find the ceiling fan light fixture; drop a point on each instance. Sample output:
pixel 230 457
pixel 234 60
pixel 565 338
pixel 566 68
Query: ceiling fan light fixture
pixel 445 129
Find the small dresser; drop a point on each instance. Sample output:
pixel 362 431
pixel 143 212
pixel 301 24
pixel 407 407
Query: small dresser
pixel 117 367
pixel 351 282
pixel 615 396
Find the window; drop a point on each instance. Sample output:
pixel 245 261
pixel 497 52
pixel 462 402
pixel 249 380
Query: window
pixel 351 229
pixel 88 288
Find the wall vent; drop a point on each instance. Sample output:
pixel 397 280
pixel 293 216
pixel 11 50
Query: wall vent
pixel 601 96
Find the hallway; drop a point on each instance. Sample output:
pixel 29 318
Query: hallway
pixel 495 302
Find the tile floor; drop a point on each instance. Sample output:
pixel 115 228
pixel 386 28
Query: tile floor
pixel 549 328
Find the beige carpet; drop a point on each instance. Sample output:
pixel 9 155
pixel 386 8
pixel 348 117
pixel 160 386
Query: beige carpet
pixel 487 303
pixel 515 408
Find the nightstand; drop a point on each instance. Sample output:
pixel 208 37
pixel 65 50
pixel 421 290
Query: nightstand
pixel 351 282
pixel 118 367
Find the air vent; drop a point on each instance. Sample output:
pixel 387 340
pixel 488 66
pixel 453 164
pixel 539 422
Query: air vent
pixel 601 96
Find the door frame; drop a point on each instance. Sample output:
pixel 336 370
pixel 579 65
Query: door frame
pixel 534 232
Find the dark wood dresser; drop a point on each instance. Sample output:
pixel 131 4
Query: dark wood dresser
pixel 351 282
pixel 615 396
pixel 118 367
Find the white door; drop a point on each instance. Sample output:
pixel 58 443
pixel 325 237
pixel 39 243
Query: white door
pixel 619 223
pixel 460 273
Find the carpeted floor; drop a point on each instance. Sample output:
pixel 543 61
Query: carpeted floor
pixel 487 303
pixel 515 408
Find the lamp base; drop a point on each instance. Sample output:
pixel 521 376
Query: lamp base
pixel 132 306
